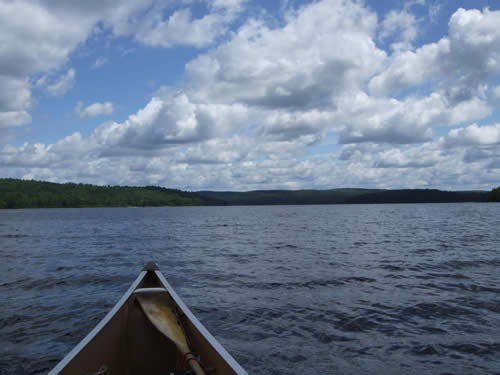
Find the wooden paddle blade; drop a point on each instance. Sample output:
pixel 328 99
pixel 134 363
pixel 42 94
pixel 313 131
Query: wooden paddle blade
pixel 159 310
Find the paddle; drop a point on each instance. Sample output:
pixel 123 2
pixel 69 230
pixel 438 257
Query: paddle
pixel 159 310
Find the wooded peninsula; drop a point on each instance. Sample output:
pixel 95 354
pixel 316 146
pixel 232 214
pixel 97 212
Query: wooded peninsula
pixel 15 193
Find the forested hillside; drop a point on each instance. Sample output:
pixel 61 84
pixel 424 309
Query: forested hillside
pixel 334 196
pixel 34 194
pixel 420 196
pixel 494 195
pixel 262 197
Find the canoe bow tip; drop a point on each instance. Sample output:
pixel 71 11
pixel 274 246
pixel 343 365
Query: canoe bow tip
pixel 110 331
pixel 151 266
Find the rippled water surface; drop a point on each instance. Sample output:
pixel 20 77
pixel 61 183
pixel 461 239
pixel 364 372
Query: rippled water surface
pixel 347 289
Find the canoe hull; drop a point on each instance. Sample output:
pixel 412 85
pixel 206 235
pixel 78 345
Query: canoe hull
pixel 125 341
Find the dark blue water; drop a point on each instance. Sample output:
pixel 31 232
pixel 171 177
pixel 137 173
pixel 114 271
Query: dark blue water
pixel 348 289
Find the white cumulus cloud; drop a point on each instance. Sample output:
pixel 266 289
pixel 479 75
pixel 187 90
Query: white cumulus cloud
pixel 10 119
pixel 160 28
pixel 171 119
pixel 402 24
pixel 256 106
pixel 474 135
pixel 465 59
pixel 62 84
pixel 93 110
pixel 38 37
pixel 100 62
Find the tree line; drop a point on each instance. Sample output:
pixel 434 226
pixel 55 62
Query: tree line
pixel 15 193
pixel 494 195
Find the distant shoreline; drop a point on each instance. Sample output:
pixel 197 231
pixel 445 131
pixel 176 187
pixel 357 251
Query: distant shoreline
pixel 16 193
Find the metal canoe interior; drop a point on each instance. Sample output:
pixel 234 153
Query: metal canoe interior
pixel 130 344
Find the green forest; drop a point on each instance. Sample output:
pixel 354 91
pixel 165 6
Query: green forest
pixel 16 193
pixel 36 194
pixel 494 195
pixel 346 196
pixel 263 197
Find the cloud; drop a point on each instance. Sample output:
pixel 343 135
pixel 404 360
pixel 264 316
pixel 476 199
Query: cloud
pixel 293 67
pixel 232 164
pixel 402 24
pixel 154 26
pixel 414 158
pixel 217 151
pixel 10 119
pixel 99 63
pixel 230 5
pixel 63 84
pixel 427 165
pixel 435 10
pixel 37 38
pixel 93 110
pixel 33 40
pixel 181 28
pixel 297 86
pixel 307 101
pixel 463 61
pixel 496 93
pixel 171 119
pixel 410 68
pixel 369 119
pixel 479 154
pixel 285 126
pixel 289 77
pixel 15 94
pixel 473 135
pixel 15 101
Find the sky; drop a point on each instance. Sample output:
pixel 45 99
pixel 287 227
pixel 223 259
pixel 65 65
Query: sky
pixel 246 95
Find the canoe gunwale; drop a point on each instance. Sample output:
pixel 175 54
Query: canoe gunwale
pixel 82 344
pixel 229 360
pixel 201 328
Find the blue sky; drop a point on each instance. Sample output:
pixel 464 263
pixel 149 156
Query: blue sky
pixel 244 95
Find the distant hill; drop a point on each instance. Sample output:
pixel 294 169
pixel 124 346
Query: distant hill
pixel 336 196
pixel 494 195
pixel 263 197
pixel 36 194
pixel 420 196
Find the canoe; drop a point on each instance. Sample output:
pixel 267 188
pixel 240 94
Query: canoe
pixel 129 340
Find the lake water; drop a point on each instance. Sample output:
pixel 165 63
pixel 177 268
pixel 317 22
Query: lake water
pixel 340 289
